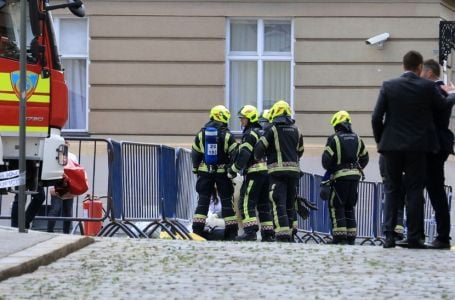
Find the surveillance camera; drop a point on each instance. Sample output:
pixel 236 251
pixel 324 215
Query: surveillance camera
pixel 378 39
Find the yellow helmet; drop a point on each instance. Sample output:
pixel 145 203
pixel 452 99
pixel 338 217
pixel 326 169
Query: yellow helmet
pixel 250 112
pixel 340 117
pixel 280 108
pixel 220 113
pixel 266 115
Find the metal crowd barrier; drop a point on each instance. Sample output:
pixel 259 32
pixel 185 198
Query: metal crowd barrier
pixel 145 191
pixel 154 184
pixel 186 192
pixel 379 216
pixel 369 213
pixel 322 224
pixel 365 212
pixel 96 155
pixel 318 226
pixel 305 227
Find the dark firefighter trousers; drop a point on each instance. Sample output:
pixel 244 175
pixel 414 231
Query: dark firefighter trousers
pixel 254 195
pixel 343 198
pixel 282 193
pixel 205 186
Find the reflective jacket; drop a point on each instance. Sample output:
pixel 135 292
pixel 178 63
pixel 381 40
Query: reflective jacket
pixel 245 159
pixel 283 144
pixel 226 147
pixel 345 154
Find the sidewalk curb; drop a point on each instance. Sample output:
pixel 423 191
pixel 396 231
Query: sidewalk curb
pixel 44 253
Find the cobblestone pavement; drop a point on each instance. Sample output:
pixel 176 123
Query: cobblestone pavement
pixel 116 268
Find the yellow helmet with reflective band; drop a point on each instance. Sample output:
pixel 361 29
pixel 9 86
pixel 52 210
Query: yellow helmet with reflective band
pixel 280 108
pixel 220 113
pixel 340 117
pixel 250 112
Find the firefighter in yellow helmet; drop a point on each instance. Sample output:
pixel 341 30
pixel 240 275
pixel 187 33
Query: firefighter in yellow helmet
pixel 344 158
pixel 282 143
pixel 211 154
pixel 254 190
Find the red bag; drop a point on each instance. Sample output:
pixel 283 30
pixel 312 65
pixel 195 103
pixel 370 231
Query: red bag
pixel 75 178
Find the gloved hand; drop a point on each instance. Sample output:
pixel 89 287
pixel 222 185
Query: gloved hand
pixel 194 171
pixel 305 202
pixel 303 207
pixel 231 174
pixel 326 190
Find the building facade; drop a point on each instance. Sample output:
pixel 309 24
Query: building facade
pixel 153 69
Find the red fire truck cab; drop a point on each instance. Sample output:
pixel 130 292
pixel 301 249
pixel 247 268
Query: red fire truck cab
pixel 46 92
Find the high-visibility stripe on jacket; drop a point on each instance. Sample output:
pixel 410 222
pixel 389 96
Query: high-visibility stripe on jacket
pixel 345 155
pixel 226 147
pixel 283 144
pixel 245 158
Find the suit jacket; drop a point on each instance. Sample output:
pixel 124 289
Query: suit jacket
pixel 403 117
pixel 442 121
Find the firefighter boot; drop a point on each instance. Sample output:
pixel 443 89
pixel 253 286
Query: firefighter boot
pixel 284 238
pixel 248 235
pixel 268 236
pixel 338 240
pixel 230 233
pixel 350 240
pixel 198 228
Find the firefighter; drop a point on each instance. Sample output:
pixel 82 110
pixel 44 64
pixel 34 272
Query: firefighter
pixel 344 157
pixel 283 145
pixel 254 190
pixel 211 156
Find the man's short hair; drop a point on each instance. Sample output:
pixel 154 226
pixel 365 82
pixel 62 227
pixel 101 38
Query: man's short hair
pixel 433 66
pixel 412 60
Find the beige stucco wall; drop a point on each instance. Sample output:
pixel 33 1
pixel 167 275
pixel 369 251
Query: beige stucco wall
pixel 156 67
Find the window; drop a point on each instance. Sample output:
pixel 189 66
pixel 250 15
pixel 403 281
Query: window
pixel 259 65
pixel 72 41
pixel 10 32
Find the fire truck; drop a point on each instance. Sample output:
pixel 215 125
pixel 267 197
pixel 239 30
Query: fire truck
pixel 46 92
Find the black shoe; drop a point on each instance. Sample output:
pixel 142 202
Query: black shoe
pixel 389 243
pixel 437 244
pixel 247 236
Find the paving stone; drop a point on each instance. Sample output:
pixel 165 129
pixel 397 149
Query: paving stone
pixel 115 268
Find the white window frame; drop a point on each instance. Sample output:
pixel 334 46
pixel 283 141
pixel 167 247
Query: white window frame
pixel 259 56
pixel 56 22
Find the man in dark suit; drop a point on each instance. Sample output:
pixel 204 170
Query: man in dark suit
pixel 404 129
pixel 435 161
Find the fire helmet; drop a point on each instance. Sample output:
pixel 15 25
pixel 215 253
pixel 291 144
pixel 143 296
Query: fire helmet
pixel 220 113
pixel 280 108
pixel 340 117
pixel 250 112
